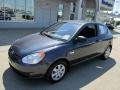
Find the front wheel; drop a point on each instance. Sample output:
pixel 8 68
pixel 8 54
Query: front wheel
pixel 57 71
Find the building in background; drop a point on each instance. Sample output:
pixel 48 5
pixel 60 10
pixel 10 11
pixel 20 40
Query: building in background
pixel 42 13
pixel 116 13
pixel 105 13
pixel 116 9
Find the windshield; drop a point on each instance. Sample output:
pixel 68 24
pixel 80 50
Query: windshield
pixel 64 31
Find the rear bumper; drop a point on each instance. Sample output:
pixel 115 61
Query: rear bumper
pixel 37 71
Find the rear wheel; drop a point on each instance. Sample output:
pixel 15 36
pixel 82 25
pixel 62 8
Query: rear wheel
pixel 57 71
pixel 107 52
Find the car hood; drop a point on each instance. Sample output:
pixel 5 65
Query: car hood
pixel 34 42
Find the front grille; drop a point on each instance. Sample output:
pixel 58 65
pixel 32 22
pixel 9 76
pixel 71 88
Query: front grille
pixel 13 56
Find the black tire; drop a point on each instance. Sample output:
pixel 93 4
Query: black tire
pixel 104 57
pixel 52 67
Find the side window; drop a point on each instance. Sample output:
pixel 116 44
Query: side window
pixel 89 31
pixel 102 29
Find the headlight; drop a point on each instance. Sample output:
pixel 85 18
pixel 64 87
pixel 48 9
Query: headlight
pixel 33 58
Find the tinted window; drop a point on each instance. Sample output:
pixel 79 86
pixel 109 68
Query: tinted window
pixel 102 29
pixel 89 31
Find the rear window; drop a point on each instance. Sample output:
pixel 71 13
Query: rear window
pixel 102 29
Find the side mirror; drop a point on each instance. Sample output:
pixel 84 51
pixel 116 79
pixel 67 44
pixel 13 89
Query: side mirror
pixel 81 39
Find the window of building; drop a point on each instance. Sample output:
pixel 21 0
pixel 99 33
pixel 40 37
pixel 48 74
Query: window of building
pixel 1 4
pixel 9 10
pixel 17 10
pixel 29 10
pixel 1 10
pixel 20 10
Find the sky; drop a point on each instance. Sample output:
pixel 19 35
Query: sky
pixel 116 8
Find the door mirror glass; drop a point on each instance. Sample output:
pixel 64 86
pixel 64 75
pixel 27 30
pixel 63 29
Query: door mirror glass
pixel 81 39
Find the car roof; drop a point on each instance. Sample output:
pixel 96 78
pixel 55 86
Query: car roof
pixel 81 22
pixel 77 21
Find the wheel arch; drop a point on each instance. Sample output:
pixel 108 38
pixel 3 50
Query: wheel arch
pixel 61 59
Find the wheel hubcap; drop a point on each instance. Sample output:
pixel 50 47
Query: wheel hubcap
pixel 58 72
pixel 107 52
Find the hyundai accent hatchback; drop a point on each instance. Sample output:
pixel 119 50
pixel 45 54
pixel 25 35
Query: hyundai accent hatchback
pixel 53 51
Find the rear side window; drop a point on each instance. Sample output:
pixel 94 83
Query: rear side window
pixel 102 29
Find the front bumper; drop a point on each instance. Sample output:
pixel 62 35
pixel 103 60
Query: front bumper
pixel 29 71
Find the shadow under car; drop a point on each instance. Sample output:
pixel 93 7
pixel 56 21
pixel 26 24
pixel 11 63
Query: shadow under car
pixel 78 77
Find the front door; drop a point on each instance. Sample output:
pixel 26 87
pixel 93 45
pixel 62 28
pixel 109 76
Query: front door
pixel 88 48
pixel 69 10
pixel 72 10
pixel 49 13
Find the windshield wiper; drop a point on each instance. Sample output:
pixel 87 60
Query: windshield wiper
pixel 46 34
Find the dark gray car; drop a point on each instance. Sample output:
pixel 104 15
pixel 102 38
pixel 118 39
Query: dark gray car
pixel 53 51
